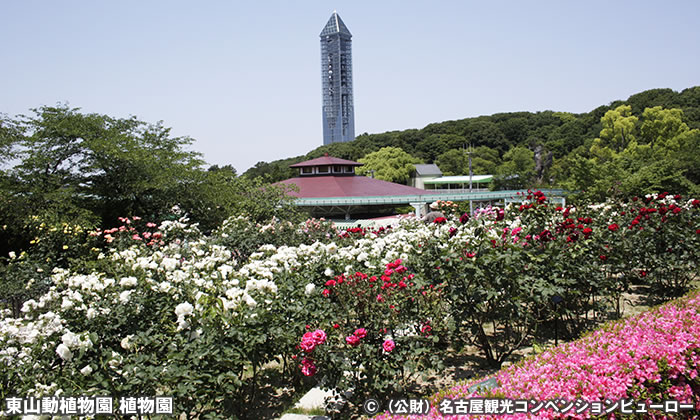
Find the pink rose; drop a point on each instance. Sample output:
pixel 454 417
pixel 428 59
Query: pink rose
pixel 353 340
pixel 308 368
pixel 388 345
pixel 360 333
pixel 319 336
pixel 307 345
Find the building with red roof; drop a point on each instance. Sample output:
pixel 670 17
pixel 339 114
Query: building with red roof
pixel 328 187
pixel 329 177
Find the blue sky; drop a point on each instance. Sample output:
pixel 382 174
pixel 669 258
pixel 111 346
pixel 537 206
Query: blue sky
pixel 243 78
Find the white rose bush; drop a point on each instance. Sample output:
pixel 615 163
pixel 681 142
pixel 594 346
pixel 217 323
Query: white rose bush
pixel 221 321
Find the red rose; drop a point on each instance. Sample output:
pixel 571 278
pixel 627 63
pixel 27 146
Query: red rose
pixel 613 227
pixel 360 333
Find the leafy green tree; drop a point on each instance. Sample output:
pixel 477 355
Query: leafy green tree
pixel 486 133
pixel 453 162
pixel 517 169
pixel 90 169
pixel 210 197
pixel 110 167
pixel 661 125
pixel 619 128
pixel 226 168
pixel 686 156
pixel 390 164
pixel 433 146
pixel 456 161
pixel 485 160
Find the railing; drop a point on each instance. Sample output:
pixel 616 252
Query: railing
pixel 455 190
pixel 428 197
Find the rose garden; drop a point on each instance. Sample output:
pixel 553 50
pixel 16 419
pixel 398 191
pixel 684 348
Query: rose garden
pixel 237 322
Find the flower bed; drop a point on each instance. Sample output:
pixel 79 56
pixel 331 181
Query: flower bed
pixel 652 357
pixel 199 317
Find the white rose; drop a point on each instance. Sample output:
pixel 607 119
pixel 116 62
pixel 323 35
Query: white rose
pixel 126 342
pixel 91 313
pixel 184 309
pixel 86 370
pixel 250 301
pixel 28 305
pixel 12 255
pixel 70 340
pixel 182 324
pixel 169 264
pixel 128 281
pixel 66 303
pixel 332 248
pixel 196 334
pixel 309 289
pixel 64 352
pixel 328 272
pixel 124 296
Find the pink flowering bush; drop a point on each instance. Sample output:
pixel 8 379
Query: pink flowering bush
pixel 650 358
pixel 132 231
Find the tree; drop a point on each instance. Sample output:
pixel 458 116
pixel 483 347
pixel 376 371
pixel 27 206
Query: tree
pixel 453 162
pixel 486 133
pixel 661 125
pixel 435 145
pixel 485 160
pixel 390 164
pixel 456 161
pixel 9 135
pixel 226 168
pixel 517 169
pixel 619 128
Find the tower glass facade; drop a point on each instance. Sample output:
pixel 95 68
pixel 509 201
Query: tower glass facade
pixel 336 81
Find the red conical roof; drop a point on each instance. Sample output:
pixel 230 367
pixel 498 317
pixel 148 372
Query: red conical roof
pixel 326 160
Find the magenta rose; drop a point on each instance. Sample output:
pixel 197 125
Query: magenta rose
pixel 353 340
pixel 319 336
pixel 308 368
pixel 360 333
pixel 388 345
pixel 307 342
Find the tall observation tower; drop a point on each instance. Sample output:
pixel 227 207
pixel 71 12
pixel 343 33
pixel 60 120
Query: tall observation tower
pixel 336 80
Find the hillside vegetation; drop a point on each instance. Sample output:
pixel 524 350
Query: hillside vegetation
pixel 648 143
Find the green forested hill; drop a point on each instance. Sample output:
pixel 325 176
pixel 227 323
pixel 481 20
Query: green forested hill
pixel 639 149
